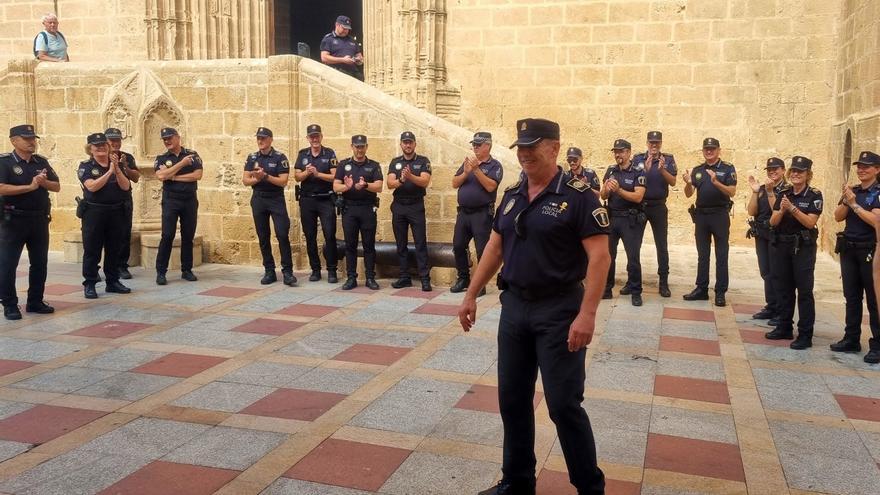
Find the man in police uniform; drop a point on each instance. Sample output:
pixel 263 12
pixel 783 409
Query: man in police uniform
pixel 359 180
pixel 660 173
pixel 129 168
pixel 624 188
pixel 341 51
pixel 179 169
pixel 315 169
pixel 25 181
pixel 714 181
pixel 552 221
pixel 267 172
pixel 477 182
pixel 409 176
pixel 575 158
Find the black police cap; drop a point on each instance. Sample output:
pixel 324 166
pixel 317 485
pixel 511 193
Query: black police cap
pixel 575 152
pixel 24 130
pixel 313 129
pixel 655 136
pixel 344 21
pixel 711 143
pixel 868 158
pixel 530 131
pixel 801 163
pixel 621 144
pixel 97 138
pixel 359 140
pixel 774 163
pixel 264 132
pixel 167 132
pixel 113 133
pixel 482 137
pixel 407 136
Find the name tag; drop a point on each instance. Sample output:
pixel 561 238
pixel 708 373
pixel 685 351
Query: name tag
pixel 271 165
pixel 628 182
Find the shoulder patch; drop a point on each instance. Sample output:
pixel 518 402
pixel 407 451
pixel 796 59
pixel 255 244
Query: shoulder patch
pixel 5 155
pixel 600 214
pixel 578 185
pixel 641 180
pixel 513 186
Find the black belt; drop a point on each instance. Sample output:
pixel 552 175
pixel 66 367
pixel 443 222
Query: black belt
pixel 349 202
pixel 409 201
pixel 655 202
pixel 179 195
pixel 537 294
pixel 860 244
pixel 26 213
pixel 474 209
pixel 623 213
pixel 269 194
pixel 708 210
pixel 105 205
pixel 325 195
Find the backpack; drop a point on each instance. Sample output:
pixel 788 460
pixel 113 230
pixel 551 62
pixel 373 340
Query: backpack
pixel 45 40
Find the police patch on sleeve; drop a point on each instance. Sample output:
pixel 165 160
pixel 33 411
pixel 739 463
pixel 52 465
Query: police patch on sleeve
pixel 641 180
pixel 96 172
pixel 285 165
pixel 601 216
pixel 81 172
pixel 305 161
pixel 333 162
pixel 817 203
pixel 509 205
pixel 733 176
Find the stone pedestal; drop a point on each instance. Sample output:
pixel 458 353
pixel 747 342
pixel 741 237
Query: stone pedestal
pixel 73 248
pixel 150 248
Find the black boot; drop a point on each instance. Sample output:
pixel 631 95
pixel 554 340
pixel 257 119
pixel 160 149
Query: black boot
pixel 697 295
pixel 401 283
pixel 89 291
pixel 847 345
pixel 426 285
pixel 331 277
pixel 764 314
pixel 269 277
pixel 160 279
pixel 625 290
pixel 873 356
pixel 460 285
pixel 779 334
pixel 350 283
pixel 117 287
pixel 372 285
pixel 289 278
pixel 636 299
pixel 507 488
pixel 189 276
pixel 315 276
pixel 12 312
pixel 124 274
pixel 40 308
pixel 664 287
pixel 720 301
pixel 803 341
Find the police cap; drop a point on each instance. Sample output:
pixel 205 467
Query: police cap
pixel 167 132
pixel 97 138
pixel 113 133
pixel 531 131
pixel 24 130
pixel 801 163
pixel 711 143
pixel 359 140
pixel 655 136
pixel 621 144
pixel 575 152
pixel 407 136
pixel 482 137
pixel 344 21
pixel 313 129
pixel 774 163
pixel 264 132
pixel 868 158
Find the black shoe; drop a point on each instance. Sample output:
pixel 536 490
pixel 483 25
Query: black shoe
pixel 11 312
pixel 720 301
pixel 636 299
pixel 846 345
pixel 803 341
pixel 289 278
pixel 41 308
pixel 350 283
pixel 117 288
pixel 607 294
pixel 372 285
pixel 625 290
pixel 696 295
pixel 160 279
pixel 124 274
pixel 506 488
pixel 89 292
pixel 773 322
pixel 401 283
pixel 426 285
pixel 664 290
pixel 779 334
pixel 460 285
pixel 315 276
pixel 331 277
pixel 269 277
pixel 764 314
pixel 873 356
pixel 189 276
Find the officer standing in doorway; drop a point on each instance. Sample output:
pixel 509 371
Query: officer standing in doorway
pixel 25 211
pixel 129 167
pixel 341 51
pixel 575 158
pixel 315 169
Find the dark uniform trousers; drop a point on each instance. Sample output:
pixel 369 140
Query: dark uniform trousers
pixel 712 227
pixel 533 335
pixel 271 205
pixel 186 208
pixel 793 271
pixel 857 275
pixel 359 219
pixel 409 214
pixel 470 223
pixel 102 228
pixel 762 247
pixel 658 216
pixel 626 227
pixel 127 222
pixel 311 209
pixel 31 231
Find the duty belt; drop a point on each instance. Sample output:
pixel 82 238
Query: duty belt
pixel 408 201
pixel 179 195
pixel 105 205
pixel 325 195
pixel 624 213
pixel 708 210
pixel 655 202
pixel 537 294
pixel 350 202
pixel 25 213
pixel 474 209
pixel 269 194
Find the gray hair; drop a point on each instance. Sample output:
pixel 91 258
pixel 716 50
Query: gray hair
pixel 48 16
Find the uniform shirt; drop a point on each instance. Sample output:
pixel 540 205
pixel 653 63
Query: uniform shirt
pixel 340 47
pixel 325 162
pixel 856 229
pixel 471 194
pixel 808 201
pixel 129 164
pixel 370 170
pixel 110 194
pixel 418 165
pixel 16 172
pixel 56 46
pixel 551 229
pixel 589 176
pixel 629 180
pixel 764 208
pixel 168 160
pixel 709 196
pixel 274 164
pixel 657 187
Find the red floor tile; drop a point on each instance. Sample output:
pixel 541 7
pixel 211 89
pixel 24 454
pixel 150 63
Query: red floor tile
pixel 61 289
pixel 755 335
pixel 228 291
pixel 747 309
pixel 308 310
pixel 687 344
pixel 268 326
pixel 9 366
pixel 372 354
pixel 691 388
pixel 437 309
pixel 179 364
pixel 110 329
pixel 288 403
pixel 361 466
pixel 43 423
pixel 696 457
pixel 688 314
pixel 485 398
pixel 163 478
pixel 556 483
pixel 417 292
pixel 855 407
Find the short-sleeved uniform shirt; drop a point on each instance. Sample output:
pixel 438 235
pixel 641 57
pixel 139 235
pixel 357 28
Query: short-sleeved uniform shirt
pixel 129 164
pixel 709 196
pixel 765 210
pixel 15 171
pixel 56 46
pixel 110 194
pixel 471 194
pixel 808 201
pixel 629 179
pixel 657 187
pixel 370 170
pixel 418 165
pixel 550 232
pixel 340 47
pixel 856 230
pixel 324 163
pixel 168 160
pixel 589 176
pixel 274 163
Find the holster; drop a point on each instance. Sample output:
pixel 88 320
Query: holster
pixel 339 202
pixel 753 229
pixel 81 207
pixel 692 211
pixel 297 192
pixel 501 283
pixel 840 243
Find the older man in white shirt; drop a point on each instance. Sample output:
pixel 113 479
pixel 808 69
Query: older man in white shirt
pixel 49 44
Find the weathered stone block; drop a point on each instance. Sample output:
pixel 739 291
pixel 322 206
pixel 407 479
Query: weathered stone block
pixel 150 248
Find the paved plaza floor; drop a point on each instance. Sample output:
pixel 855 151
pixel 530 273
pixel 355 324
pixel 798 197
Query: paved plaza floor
pixel 226 386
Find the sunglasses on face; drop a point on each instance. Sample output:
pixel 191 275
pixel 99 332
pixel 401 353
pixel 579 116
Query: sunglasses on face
pixel 572 160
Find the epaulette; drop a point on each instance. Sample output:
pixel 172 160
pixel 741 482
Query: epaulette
pixel 304 150
pixel 514 186
pixel 815 191
pixel 84 162
pixel 41 157
pixel 577 184
pixel 785 188
pixel 252 156
pixel 5 155
pixel 588 169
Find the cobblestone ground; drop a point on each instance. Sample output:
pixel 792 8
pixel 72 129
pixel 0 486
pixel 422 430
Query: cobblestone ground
pixel 228 386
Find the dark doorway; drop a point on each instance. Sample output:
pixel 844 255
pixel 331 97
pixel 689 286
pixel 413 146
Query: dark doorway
pixel 307 21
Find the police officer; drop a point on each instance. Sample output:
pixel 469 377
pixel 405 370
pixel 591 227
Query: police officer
pixel 714 181
pixel 129 167
pixel 105 190
pixel 624 188
pixel 552 221
pixel 796 210
pixel 660 173
pixel 409 176
pixel 179 169
pixel 859 207
pixel 477 182
pixel 575 158
pixel 359 181
pixel 341 51
pixel 267 171
pixel 315 169
pixel 25 181
pixel 760 209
